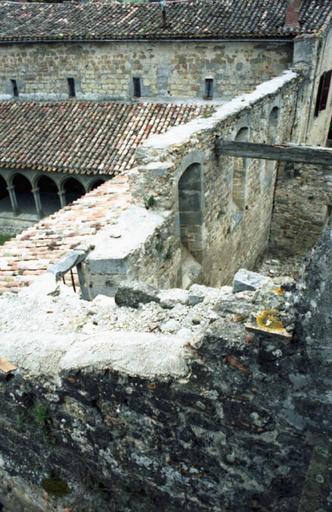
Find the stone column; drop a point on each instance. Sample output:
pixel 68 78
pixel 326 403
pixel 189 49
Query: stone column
pixel 13 199
pixel 62 198
pixel 38 205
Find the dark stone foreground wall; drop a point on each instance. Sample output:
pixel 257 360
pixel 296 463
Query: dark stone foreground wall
pixel 249 430
pixel 233 438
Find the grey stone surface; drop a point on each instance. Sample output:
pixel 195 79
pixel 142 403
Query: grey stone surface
pixel 247 280
pixel 63 266
pixel 170 298
pixel 132 294
pixel 200 417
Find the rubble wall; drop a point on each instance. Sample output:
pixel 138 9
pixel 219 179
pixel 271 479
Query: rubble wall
pixel 231 237
pixel 105 70
pixel 302 206
pixel 190 411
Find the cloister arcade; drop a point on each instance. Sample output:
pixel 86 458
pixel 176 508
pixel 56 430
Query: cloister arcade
pixel 41 194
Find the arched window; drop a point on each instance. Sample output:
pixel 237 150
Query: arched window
pixel 272 129
pixel 272 133
pixel 49 197
pixel 24 196
pixel 73 190
pixel 96 184
pixel 5 204
pixel 239 173
pixel 190 210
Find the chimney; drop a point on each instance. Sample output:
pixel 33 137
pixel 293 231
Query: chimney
pixel 292 14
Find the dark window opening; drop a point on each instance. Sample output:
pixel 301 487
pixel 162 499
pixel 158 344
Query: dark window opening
pixel 71 87
pixel 14 88
pixel 323 92
pixel 208 93
pixel 137 87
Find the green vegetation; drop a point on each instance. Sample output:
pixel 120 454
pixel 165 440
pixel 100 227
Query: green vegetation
pixel 149 202
pixel 4 238
pixel 169 253
pixel 40 415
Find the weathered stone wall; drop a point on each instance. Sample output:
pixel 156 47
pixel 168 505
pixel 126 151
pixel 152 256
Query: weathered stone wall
pixel 142 246
pixel 116 421
pixel 231 237
pixel 302 205
pixel 318 53
pixel 105 70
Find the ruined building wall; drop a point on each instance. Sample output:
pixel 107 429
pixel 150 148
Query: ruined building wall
pixel 210 419
pixel 105 70
pixel 303 203
pixel 319 123
pixel 303 197
pixel 232 234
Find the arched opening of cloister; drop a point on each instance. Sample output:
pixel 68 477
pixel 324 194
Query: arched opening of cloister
pixel 49 197
pixel 190 210
pixel 5 204
pixel 24 196
pixel 73 190
pixel 239 173
pixel 96 184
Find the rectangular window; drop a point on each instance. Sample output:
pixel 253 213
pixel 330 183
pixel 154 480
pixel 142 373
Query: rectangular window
pixel 14 88
pixel 137 87
pixel 323 92
pixel 71 87
pixel 208 92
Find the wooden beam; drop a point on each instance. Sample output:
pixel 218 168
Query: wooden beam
pixel 285 152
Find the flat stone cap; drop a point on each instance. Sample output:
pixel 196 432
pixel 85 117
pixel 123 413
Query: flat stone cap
pixel 246 280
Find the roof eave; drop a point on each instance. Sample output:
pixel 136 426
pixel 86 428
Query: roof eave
pixel 152 39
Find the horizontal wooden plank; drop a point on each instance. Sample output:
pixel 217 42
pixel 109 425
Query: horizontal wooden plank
pixel 283 152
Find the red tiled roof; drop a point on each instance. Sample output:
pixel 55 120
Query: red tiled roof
pixel 29 254
pixel 201 19
pixel 80 137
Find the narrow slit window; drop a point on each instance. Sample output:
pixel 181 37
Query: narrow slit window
pixel 323 92
pixel 208 93
pixel 14 88
pixel 71 87
pixel 137 87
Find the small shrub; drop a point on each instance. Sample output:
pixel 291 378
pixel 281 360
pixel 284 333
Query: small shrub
pixel 149 202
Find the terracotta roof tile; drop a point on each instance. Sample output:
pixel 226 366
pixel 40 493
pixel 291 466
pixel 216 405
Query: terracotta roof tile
pixel 28 255
pixel 80 137
pixel 192 19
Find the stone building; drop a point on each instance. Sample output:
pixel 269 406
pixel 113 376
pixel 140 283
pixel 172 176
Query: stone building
pixel 86 89
pixel 114 120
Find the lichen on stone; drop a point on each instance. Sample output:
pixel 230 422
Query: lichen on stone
pixel 268 319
